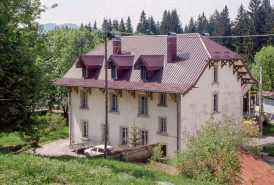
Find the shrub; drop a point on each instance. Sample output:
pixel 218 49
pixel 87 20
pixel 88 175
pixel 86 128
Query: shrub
pixel 212 152
pixel 135 140
pixel 156 151
pixel 55 122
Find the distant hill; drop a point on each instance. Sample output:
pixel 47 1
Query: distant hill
pixel 51 26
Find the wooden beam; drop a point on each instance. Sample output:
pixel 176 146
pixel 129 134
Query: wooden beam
pixel 102 90
pixel 212 63
pixel 236 68
pixel 231 62
pixel 245 81
pixel 69 88
pixel 75 89
pixel 118 91
pixel 87 89
pixel 224 62
pixel 132 93
pixel 149 94
pixel 241 74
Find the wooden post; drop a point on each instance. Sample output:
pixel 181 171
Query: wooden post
pixel 106 91
pixel 260 99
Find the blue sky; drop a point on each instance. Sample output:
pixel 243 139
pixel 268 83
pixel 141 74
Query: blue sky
pixel 78 11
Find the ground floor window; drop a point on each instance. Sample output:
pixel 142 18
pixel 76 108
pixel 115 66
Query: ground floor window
pixel 215 103
pixel 124 136
pixel 85 129
pixel 144 137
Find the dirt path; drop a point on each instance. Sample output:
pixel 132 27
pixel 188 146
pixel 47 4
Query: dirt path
pixel 57 148
pixel 265 140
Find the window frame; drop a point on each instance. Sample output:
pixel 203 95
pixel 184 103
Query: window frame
pixel 215 74
pixel 144 142
pixel 85 71
pixel 162 130
pixel 111 102
pixel 143 110
pixel 144 72
pixel 162 96
pixel 85 129
pixel 215 103
pixel 114 72
pixel 84 100
pixel 122 142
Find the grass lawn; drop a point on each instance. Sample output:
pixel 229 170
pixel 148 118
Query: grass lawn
pixel 13 139
pixel 32 169
pixel 269 129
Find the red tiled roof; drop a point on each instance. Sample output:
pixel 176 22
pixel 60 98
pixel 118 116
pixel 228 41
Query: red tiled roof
pixel 193 53
pixel 254 168
pixel 122 61
pixel 152 62
pixel 90 61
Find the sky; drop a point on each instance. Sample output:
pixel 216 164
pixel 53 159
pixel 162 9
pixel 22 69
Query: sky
pixel 84 11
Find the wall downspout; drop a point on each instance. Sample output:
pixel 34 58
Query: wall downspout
pixel 71 127
pixel 178 102
pixel 177 99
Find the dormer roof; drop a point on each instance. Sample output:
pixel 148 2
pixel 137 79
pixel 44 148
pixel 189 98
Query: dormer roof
pixel 121 61
pixel 152 62
pixel 90 61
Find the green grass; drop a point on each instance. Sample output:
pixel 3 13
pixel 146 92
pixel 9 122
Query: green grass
pixel 13 139
pixel 269 149
pixel 32 169
pixel 269 129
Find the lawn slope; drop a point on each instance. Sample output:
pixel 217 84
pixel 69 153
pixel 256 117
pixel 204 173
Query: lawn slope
pixel 33 169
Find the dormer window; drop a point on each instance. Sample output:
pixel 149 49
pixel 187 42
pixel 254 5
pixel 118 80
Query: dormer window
pixel 149 65
pixel 114 72
pixel 85 71
pixel 144 72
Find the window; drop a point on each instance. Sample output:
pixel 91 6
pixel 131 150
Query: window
pixel 85 71
pixel 114 102
pixel 104 132
pixel 162 99
pixel 124 136
pixel 144 137
pixel 85 129
pixel 143 105
pixel 84 103
pixel 162 125
pixel 114 72
pixel 215 74
pixel 144 72
pixel 215 103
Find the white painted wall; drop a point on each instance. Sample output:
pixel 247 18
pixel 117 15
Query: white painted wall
pixel 197 105
pixel 128 110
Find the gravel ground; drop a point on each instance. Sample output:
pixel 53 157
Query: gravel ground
pixel 57 148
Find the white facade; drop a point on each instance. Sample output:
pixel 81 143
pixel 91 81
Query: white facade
pixel 195 108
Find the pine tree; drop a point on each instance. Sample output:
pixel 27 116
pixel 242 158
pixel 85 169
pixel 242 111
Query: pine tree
pixel 95 25
pixel 82 26
pixel 115 25
pixel 241 28
pixel 110 27
pixel 213 20
pixel 122 27
pixel 202 24
pixel 152 26
pixel 191 26
pixel 89 27
pixel 175 22
pixel 129 28
pixel 158 26
pixel 142 26
pixel 103 24
pixel 186 29
pixel 166 23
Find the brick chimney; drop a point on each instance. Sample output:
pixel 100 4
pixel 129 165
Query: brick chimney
pixel 171 47
pixel 117 46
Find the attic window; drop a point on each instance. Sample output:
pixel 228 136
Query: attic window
pixel 114 72
pixel 85 71
pixel 144 72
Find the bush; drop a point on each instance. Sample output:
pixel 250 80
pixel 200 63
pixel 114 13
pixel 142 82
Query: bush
pixel 55 122
pixel 156 151
pixel 212 153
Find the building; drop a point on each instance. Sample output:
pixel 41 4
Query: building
pixel 164 85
